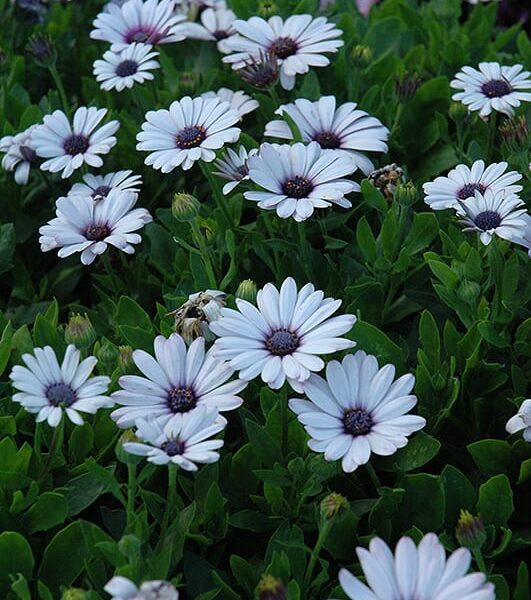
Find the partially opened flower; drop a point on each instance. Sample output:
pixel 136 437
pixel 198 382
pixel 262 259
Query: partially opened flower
pixel 122 69
pixel 357 410
pixel 176 381
pixel 462 182
pixel 239 101
pixel 191 130
pixel 492 87
pixel 182 441
pixel 100 185
pixel 282 338
pixel 415 571
pixel 299 43
pixel 521 421
pixel 19 154
pixel 524 237
pixel 343 127
pixel 233 167
pixel 47 388
pixel 297 179
pixel 121 588
pixel 87 225
pixel 67 147
pixel 216 25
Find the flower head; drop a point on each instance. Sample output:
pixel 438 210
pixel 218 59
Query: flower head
pixel 122 69
pixel 66 147
pixel 282 338
pixel 47 388
pixel 239 101
pixel 297 179
pixel 521 421
pixel 19 154
pixel 386 179
pixel 217 25
pixel 298 43
pixel 99 186
pixel 189 131
pixel 121 588
pixel 344 128
pixel 176 381
pixel 415 572
pixel 192 319
pixel 260 71
pixel 88 225
pixel 233 167
pixel 492 87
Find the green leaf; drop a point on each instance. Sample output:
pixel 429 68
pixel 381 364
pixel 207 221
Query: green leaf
pixel 366 240
pixel 459 493
pixel 263 444
pixel 374 197
pixel 424 230
pixel 51 509
pixel 374 341
pixel 495 502
pixel 5 346
pixel 15 557
pixel 491 456
pixel 7 246
pixel 420 450
pixel 423 505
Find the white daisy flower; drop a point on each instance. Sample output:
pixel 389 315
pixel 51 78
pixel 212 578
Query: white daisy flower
pixel 239 101
pixel 67 147
pixel 191 130
pixel 493 214
pixel 46 389
pixel 521 420
pixel 86 225
pixel 357 410
pixel 299 179
pixel 413 571
pixel 176 381
pixel 216 25
pixel 122 69
pixel 524 238
pixel 492 87
pixel 462 182
pixel 100 185
pixel 298 43
pixel 182 441
pixel 193 318
pixel 233 167
pixel 121 588
pixel 19 154
pixel 152 22
pixel 283 336
pixel 344 128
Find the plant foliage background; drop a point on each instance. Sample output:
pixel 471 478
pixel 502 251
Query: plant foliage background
pixel 430 299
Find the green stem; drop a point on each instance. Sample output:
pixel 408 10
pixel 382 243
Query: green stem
pixel 219 198
pixel 200 240
pixel 110 271
pixel 303 242
pixel 492 136
pixel 274 96
pixel 480 560
pixel 60 88
pixel 271 232
pixel 57 441
pixel 284 427
pixel 321 539
pixel 398 114
pixel 170 500
pixel 374 477
pixel 131 492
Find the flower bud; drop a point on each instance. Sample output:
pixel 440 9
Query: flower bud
pixel 468 291
pixel 185 207
pixel 406 194
pixel 74 594
pixel 271 588
pixel 332 505
pixel 42 49
pixel 125 457
pixel 406 86
pixel 361 55
pixel 470 531
pixel 458 112
pixel 515 133
pixel 107 355
pixel 80 332
pixel 125 359
pixel 266 8
pixel 188 82
pixel 247 290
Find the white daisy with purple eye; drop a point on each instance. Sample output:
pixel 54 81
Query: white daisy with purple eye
pixel 233 167
pixel 492 87
pixel 344 128
pixel 119 70
pixel 282 337
pixel 463 182
pixel 47 388
pixel 176 381
pixel 121 588
pixel 67 147
pixel 493 214
pixel 87 225
pixel 298 43
pixel 239 101
pixel 99 186
pixel 151 22
pixel 297 179
pixel 216 25
pixel 521 421
pixel 19 154
pixel 191 130
pixel 357 410
pixel 524 238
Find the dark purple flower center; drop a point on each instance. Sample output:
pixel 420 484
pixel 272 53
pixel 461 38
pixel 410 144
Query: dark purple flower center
pixel 76 144
pixel 242 171
pixel 60 394
pixel 190 137
pixel 97 233
pixel 357 421
pixel 127 68
pixel 173 447
pixel 28 153
pixel 488 219
pixel 220 34
pixel 468 190
pixel 495 88
pixel 282 342
pixel 327 139
pixel 283 47
pixel 298 187
pixel 181 399
pixel 101 190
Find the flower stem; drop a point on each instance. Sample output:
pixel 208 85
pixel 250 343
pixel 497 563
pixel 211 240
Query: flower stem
pixel 284 422
pixel 170 500
pixel 374 477
pixel 303 242
pixel 131 491
pixel 60 88
pixel 110 271
pixel 57 441
pixel 200 240
pixel 492 136
pixel 219 198
pixel 480 560
pixel 321 539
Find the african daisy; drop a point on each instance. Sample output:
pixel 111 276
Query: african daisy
pixel 122 69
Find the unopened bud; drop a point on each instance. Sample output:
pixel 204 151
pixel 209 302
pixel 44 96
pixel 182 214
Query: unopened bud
pixel 266 8
pixel 125 358
pixel 188 82
pixel 80 332
pixel 470 531
pixel 185 207
pixel 74 594
pixel 361 55
pixel 515 133
pixel 247 290
pixel 458 112
pixel 468 291
pixel 42 49
pixel 406 86
pixel 107 355
pixel 271 588
pixel 332 505
pixel 406 194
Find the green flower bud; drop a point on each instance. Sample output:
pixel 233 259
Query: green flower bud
pixel 188 81
pixel 185 207
pixel 470 531
pixel 247 290
pixel 406 194
pixel 74 594
pixel 80 332
pixel 271 588
pixel 107 355
pixel 125 358
pixel 468 291
pixel 458 112
pixel 361 55
pixel 266 8
pixel 332 505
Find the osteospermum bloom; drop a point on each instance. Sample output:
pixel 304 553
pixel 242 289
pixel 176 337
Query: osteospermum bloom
pixel 357 410
pixel 88 225
pixel 151 22
pixel 216 25
pixel 183 441
pixel 492 87
pixel 233 167
pixel 462 183
pixel 300 178
pixel 239 101
pixel 19 154
pixel 521 421
pixel 299 43
pixel 192 319
pixel 191 130
pixel 100 185
pixel 176 381
pixel 413 571
pixel 66 147
pixel 493 214
pixel 283 336
pixel 47 388
pixel 343 127
pixel 122 69
pixel 121 588
pixel 524 238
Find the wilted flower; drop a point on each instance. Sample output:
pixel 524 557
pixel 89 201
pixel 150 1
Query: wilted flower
pixel 80 331
pixel 193 317
pixel 515 133
pixel 470 531
pixel 387 179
